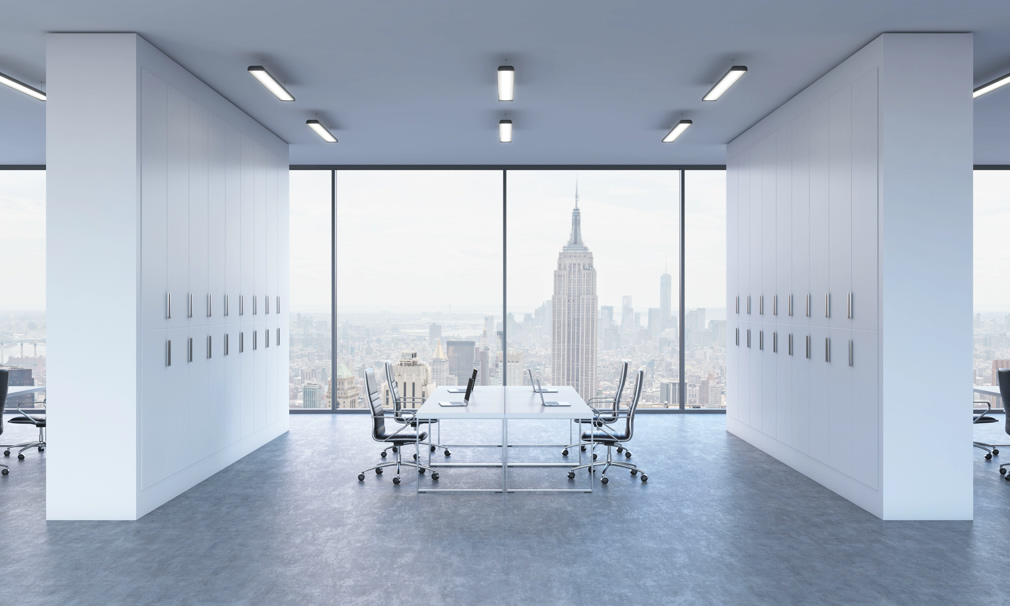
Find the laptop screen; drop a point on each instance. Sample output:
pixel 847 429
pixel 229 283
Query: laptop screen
pixel 540 390
pixel 469 387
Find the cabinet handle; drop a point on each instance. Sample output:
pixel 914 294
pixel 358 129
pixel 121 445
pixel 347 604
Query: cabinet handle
pixel 226 305
pixel 168 306
pixel 168 352
pixel 808 347
pixel 808 305
pixel 226 344
pixel 850 352
pixel 775 305
pixel 738 304
pixel 827 305
pixel 761 305
pixel 190 352
pixel 850 306
pixel 277 308
pixel 256 335
pixel 827 349
pixel 790 344
pixel 775 342
pixel 241 305
pixel 278 337
pixel 761 340
pixel 790 305
pixel 748 337
pixel 210 347
pixel 266 304
pixel 190 311
pixel 737 337
pixel 241 342
pixel 254 308
pixel 266 338
pixel 210 305
pixel 748 305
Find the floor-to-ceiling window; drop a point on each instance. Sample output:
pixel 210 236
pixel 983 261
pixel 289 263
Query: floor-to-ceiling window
pixel 311 271
pixel 23 290
pixel 991 287
pixel 419 279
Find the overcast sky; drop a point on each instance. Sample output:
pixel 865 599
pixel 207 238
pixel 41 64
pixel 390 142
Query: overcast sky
pixel 433 238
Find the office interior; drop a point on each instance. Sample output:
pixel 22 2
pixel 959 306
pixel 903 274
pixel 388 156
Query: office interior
pixel 518 303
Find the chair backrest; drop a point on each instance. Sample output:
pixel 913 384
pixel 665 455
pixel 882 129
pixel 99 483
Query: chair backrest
pixel 620 384
pixel 635 397
pixel 375 402
pixel 5 376
pixel 394 392
pixel 1004 393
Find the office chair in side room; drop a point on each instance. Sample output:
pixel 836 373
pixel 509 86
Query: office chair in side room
pixel 26 419
pixel 401 408
pixel 4 378
pixel 1003 374
pixel 609 436
pixel 398 438
pixel 990 449
pixel 606 416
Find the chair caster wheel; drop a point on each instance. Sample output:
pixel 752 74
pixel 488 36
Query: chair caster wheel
pixel 988 456
pixel 396 480
pixel 627 454
pixel 594 456
pixel 21 457
pixel 420 470
pixel 571 475
pixel 1002 472
pixel 582 448
pixel 434 475
pixel 620 449
pixel 645 478
pixel 361 477
pixel 378 471
pixel 41 449
pixel 634 472
pixel 4 472
pixel 447 453
pixel 1007 477
pixel 415 456
pixel 604 480
pixel 432 448
pixel 994 452
pixel 564 452
pixel 383 454
pixel 394 449
pixel 7 453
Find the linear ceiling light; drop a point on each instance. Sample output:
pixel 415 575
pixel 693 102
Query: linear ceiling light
pixel 506 83
pixel 988 88
pixel 505 131
pixel 261 74
pixel 22 87
pixel 321 130
pixel 677 131
pixel 725 82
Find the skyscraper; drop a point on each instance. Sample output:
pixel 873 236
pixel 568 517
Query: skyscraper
pixel 627 312
pixel 461 359
pixel 574 309
pixel 439 366
pixel 346 389
pixel 312 395
pixel 665 297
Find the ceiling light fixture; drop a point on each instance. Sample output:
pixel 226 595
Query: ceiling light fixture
pixel 22 87
pixel 506 83
pixel 260 73
pixel 725 82
pixel 988 88
pixel 505 131
pixel 321 130
pixel 677 131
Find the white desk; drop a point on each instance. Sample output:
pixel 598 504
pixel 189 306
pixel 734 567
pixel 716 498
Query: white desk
pixel 498 403
pixel 19 390
pixel 987 390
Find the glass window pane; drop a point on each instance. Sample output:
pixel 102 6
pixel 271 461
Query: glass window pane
pixel 991 288
pixel 593 279
pixel 311 289
pixel 705 288
pixel 419 278
pixel 23 299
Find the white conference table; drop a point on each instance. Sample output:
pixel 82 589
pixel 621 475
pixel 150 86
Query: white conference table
pixel 987 390
pixel 505 403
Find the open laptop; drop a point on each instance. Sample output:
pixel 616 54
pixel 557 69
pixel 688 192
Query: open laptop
pixel 463 389
pixel 536 385
pixel 540 391
pixel 466 398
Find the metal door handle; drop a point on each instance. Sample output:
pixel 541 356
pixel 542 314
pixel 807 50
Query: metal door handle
pixel 790 305
pixel 748 337
pixel 278 336
pixel 190 305
pixel 748 304
pixel 827 349
pixel 226 344
pixel 827 305
pixel 775 305
pixel 241 305
pixel 266 305
pixel 775 342
pixel 191 349
pixel 761 305
pixel 254 308
pixel 790 343
pixel 737 303
pixel 850 306
pixel 266 338
pixel 256 335
pixel 737 337
pixel 761 340
pixel 168 352
pixel 168 306
pixel 210 305
pixel 278 306
pixel 226 305
pixel 850 352
pixel 808 305
pixel 210 346
pixel 808 347
pixel 241 342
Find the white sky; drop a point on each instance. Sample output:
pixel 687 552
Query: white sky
pixel 416 232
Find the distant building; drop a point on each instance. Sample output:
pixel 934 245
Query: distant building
pixel 606 317
pixel 656 320
pixel 413 380
pixel 20 377
pixel 514 371
pixel 669 394
pixel 346 394
pixel 665 298
pixel 627 312
pixel 439 367
pixel 313 396
pixel 461 358
pixel 434 333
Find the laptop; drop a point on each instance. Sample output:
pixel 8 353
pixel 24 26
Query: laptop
pixel 466 398
pixel 463 389
pixel 536 386
pixel 540 391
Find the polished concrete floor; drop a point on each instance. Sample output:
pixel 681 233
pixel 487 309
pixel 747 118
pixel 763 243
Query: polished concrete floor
pixel 718 522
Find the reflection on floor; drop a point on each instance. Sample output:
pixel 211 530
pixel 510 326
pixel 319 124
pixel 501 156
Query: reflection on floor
pixel 718 523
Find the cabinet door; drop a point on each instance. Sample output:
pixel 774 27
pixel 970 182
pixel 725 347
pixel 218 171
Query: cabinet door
pixel 154 207
pixel 154 416
pixel 732 369
pixel 745 391
pixel 743 231
pixel 820 187
pixel 197 397
pixel 270 236
pixel 271 375
pixel 199 166
pixel 732 249
pixel 755 255
pixel 769 382
pixel 783 384
pixel 260 239
pixel 233 390
pixel 783 228
pixel 820 396
pixel 178 419
pixel 865 408
pixel 248 214
pixel 840 208
pixel 216 223
pixel 233 227
pixel 177 187
pixel 839 392
pixel 864 202
pixel 799 423
pixel 756 404
pixel 769 228
pixel 217 387
pixel 800 225
pixel 259 357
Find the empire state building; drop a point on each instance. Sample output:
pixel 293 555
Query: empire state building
pixel 573 322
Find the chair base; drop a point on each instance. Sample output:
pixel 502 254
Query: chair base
pixel 635 470
pixel 40 444
pixel 399 463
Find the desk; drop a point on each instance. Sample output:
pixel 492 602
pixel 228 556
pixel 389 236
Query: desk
pixel 987 390
pixel 504 403
pixel 20 391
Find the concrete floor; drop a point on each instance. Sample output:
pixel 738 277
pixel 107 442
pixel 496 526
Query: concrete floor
pixel 718 523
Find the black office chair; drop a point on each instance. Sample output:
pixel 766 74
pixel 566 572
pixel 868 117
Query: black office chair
pixel 1003 375
pixel 403 407
pixel 26 419
pixel 605 415
pixel 397 438
pixel 991 449
pixel 4 379
pixel 608 435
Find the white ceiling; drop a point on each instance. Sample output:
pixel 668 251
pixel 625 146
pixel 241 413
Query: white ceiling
pixel 413 81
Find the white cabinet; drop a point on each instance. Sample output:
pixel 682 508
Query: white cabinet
pixel 783 384
pixel 177 222
pixel 769 381
pixel 799 421
pixel 865 408
pixel 154 208
pixel 769 227
pixel 820 380
pixel 757 243
pixel 233 226
pixel 154 409
pixel 864 202
pixel 746 393
pixel 840 207
pixel 217 221
pixel 820 188
pixel 783 228
pixel 247 286
pixel 743 229
pixel 199 165
pixel 217 387
pixel 233 382
pixel 838 390
pixel 800 206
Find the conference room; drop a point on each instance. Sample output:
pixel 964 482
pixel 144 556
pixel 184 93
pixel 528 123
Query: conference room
pixel 504 303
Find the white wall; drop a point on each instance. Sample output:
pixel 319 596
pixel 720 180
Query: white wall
pixel 861 186
pixel 157 185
